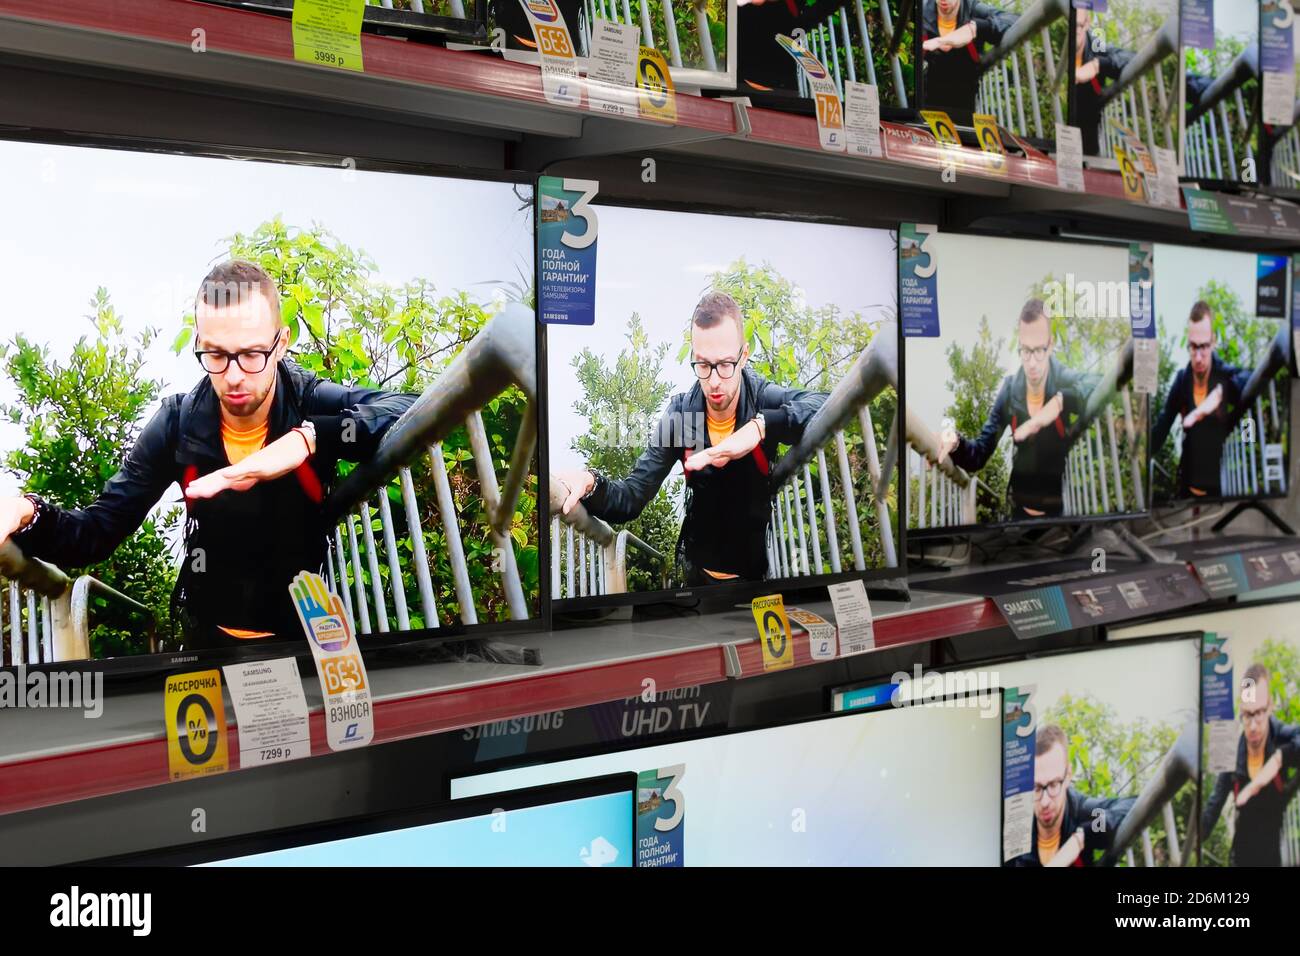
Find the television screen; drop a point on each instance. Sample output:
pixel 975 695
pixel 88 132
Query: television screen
pixel 851 790
pixel 727 418
pixel 1113 749
pixel 1125 75
pixel 1222 80
pixel 1222 412
pixel 581 823
pixel 1250 762
pixel 866 41
pixel 1026 412
pixel 1004 58
pixel 240 370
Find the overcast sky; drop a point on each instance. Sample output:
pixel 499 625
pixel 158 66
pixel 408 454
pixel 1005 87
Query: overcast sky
pixel 1182 272
pixel 147 227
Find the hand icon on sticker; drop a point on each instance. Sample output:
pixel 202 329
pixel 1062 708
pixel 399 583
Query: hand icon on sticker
pixel 322 613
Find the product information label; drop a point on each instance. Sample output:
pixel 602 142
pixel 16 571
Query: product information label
pixel 612 69
pixel 1166 184
pixel 349 716
pixel 195 715
pixel 826 96
pixel 918 275
pixel 1019 734
pixel 1069 158
pixel 862 119
pixel 773 632
pixel 661 817
pixel 567 230
pixel 1271 274
pixel 561 84
pixel 328 33
pixel 853 617
pixel 270 711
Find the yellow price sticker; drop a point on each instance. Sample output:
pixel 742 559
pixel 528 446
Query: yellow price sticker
pixel 195 715
pixel 328 33
pixel 942 126
pixel 655 90
pixel 773 632
pixel 986 131
pixel 1131 175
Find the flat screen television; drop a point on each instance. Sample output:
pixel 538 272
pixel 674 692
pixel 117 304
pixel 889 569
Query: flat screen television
pixel 1114 747
pixel 866 41
pixel 1124 79
pixel 387 315
pixel 1221 419
pixel 1004 58
pixel 463 19
pixel 1222 93
pixel 660 486
pixel 863 789
pixel 1027 414
pixel 575 823
pixel 1250 712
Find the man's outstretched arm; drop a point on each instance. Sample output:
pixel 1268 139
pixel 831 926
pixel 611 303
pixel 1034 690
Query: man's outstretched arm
pixel 623 499
pixel 76 538
pixel 971 454
pixel 350 422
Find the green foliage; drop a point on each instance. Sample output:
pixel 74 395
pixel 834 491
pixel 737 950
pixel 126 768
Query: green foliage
pixel 974 380
pixel 1110 758
pixel 81 417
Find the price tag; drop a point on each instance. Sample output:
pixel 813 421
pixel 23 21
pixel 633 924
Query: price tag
pixel 942 126
pixel 561 84
pixel 349 717
pixel 986 129
pixel 853 617
pixel 270 710
pixel 658 98
pixel 1166 191
pixel 862 119
pixel 826 97
pixel 1146 365
pixel 1069 158
pixel 1130 171
pixel 611 73
pixel 328 33
pixel 773 632
pixel 195 715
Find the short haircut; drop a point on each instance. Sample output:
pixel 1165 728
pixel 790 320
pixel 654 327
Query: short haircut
pixel 714 309
pixel 1032 311
pixel 1256 676
pixel 235 281
pixel 1049 735
pixel 1200 312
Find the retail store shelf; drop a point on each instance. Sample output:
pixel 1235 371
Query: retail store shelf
pixel 53 756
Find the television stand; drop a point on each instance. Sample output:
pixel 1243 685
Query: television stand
pixel 1243 506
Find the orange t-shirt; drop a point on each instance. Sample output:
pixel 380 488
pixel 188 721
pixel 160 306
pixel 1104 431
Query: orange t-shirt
pixel 240 444
pixel 718 431
pixel 947 25
pixel 1047 848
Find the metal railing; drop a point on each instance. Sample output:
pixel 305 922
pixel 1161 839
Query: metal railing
pixel 588 557
pixel 46 614
pixel 944 494
pixel 1121 98
pixel 501 355
pixel 794 525
pixel 1291 824
pixel 1211 125
pixel 1178 767
pixel 1001 92
pixel 843 42
pixel 620 11
pixel 1087 488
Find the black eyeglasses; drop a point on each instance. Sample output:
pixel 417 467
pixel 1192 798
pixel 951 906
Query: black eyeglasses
pixel 704 369
pixel 251 361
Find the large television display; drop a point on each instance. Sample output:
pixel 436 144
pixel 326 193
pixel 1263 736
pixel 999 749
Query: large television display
pixel 1125 75
pixel 240 370
pixel 1221 422
pixel 1027 413
pixel 728 419
pixel 1250 689
pixel 1222 94
pixel 847 790
pixel 1113 743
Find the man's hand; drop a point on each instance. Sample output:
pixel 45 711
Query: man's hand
pixel 1087 72
pixel 1206 408
pixel 1070 850
pixel 1049 413
pixel 1272 767
pixel 957 38
pixel 736 445
pixel 948 440
pixel 578 483
pixel 15 514
pixel 266 464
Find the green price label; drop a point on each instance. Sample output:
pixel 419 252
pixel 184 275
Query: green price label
pixel 328 33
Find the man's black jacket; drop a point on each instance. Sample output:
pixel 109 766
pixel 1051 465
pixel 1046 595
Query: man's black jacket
pixel 1202 454
pixel 762 63
pixel 727 508
pixel 1038 463
pixel 1087 96
pixel 952 77
pixel 242 547
pixel 1258 837
pixel 1099 817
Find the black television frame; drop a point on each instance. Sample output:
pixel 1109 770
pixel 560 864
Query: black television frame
pixel 443 811
pixel 1047 521
pixel 377 646
pixel 722 593
pixel 377 19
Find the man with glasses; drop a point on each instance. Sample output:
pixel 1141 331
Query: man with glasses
pixel 1206 393
pixel 1266 751
pixel 1035 404
pixel 254 446
pixel 1069 828
pixel 725 432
